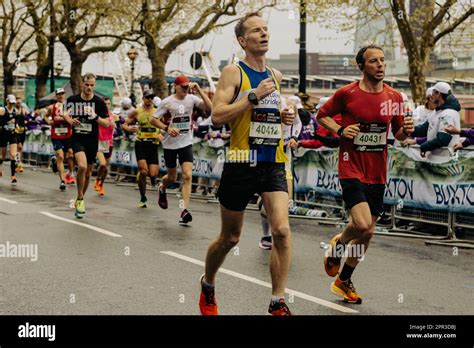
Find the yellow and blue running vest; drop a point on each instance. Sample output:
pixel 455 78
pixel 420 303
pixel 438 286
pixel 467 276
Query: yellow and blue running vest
pixel 146 132
pixel 259 129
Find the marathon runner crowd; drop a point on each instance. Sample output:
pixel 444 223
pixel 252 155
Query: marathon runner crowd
pixel 259 129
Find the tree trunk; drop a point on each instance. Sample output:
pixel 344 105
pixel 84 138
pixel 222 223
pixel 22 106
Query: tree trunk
pixel 8 79
pixel 41 90
pixel 42 67
pixel 418 83
pixel 76 73
pixel 158 76
pixel 42 74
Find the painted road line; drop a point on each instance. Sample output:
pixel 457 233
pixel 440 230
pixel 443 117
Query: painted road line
pixel 97 229
pixel 266 284
pixel 8 200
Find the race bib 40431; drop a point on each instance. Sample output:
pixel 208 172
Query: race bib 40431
pixel 372 137
pixel 265 127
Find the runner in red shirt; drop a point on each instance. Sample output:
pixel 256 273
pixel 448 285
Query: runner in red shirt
pixel 61 133
pixel 367 107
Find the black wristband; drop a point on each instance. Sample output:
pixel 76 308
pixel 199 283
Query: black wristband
pixel 340 130
pixel 294 138
pixel 166 128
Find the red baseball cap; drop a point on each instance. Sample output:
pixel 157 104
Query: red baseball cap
pixel 181 80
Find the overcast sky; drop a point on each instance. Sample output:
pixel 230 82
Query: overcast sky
pixel 283 27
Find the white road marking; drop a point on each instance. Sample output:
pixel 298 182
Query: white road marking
pixel 8 200
pixel 265 284
pixel 97 229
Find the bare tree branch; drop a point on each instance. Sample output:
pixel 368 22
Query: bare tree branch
pixel 454 25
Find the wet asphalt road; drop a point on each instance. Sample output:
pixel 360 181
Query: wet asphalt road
pixel 141 261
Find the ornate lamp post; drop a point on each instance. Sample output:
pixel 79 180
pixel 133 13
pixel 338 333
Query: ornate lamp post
pixel 58 68
pixel 132 54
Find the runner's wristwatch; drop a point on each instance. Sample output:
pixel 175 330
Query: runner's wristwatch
pixel 340 130
pixel 253 98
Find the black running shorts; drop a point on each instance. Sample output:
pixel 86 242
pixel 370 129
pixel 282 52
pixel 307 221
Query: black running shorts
pixel 8 138
pixel 355 192
pixel 240 181
pixel 61 144
pixel 86 145
pixel 184 155
pixel 146 151
pixel 21 137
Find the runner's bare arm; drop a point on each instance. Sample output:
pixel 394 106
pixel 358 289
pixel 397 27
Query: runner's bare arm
pixel 222 109
pixel 405 130
pixel 46 113
pixel 69 119
pixel 158 123
pixel 328 123
pixel 131 119
pixel 104 122
pixel 206 103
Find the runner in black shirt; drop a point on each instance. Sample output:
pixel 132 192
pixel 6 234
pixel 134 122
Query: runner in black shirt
pixel 85 112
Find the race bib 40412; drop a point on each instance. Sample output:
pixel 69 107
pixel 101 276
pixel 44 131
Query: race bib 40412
pixel 265 128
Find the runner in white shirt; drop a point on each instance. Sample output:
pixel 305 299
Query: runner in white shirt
pixel 174 115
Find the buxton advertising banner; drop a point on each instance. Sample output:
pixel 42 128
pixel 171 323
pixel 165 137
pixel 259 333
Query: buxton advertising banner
pixel 411 180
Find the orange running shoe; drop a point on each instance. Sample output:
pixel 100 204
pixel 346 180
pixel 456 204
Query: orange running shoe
pixel 279 308
pixel 72 180
pixel 207 300
pixel 332 263
pixel 97 185
pixel 101 190
pixel 346 290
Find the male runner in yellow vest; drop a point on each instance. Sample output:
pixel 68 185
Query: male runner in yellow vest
pixel 248 99
pixel 146 144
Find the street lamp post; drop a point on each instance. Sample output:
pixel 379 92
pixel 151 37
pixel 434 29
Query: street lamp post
pixel 302 56
pixel 58 68
pixel 132 55
pixel 51 46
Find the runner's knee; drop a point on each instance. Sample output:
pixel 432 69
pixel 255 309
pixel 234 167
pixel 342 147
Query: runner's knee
pixel 172 177
pixel 281 235
pixel 82 167
pixel 230 239
pixel 187 177
pixel 361 225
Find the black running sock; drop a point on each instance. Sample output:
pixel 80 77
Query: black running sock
pixel 143 198
pixel 340 243
pixel 13 166
pixel 153 180
pixel 346 272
